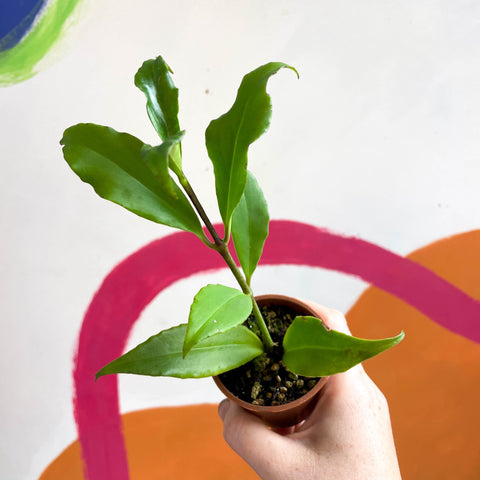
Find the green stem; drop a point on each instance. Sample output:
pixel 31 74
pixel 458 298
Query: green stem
pixel 267 339
pixel 226 236
pixel 222 248
pixel 199 208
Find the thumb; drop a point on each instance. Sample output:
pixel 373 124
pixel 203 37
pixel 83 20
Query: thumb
pixel 248 436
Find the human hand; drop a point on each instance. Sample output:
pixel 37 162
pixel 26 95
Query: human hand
pixel 348 436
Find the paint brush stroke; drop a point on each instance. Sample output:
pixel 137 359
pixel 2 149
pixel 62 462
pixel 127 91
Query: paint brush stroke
pixel 125 292
pixel 16 19
pixel 135 282
pixel 18 63
pixel 413 283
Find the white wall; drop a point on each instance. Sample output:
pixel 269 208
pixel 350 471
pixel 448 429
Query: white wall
pixel 378 139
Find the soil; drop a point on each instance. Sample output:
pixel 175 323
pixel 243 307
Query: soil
pixel 266 380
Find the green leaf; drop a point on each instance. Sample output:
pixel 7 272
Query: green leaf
pixel 229 136
pixel 154 80
pixel 250 226
pixel 158 159
pixel 162 354
pixel 215 309
pixel 313 351
pixel 112 163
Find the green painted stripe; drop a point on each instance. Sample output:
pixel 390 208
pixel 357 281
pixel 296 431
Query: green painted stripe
pixel 18 63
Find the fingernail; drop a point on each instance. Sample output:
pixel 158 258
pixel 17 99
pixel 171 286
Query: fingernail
pixel 223 407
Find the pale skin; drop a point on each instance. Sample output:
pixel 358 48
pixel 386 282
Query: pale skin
pixel 348 436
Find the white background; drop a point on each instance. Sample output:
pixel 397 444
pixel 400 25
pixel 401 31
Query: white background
pixel 378 139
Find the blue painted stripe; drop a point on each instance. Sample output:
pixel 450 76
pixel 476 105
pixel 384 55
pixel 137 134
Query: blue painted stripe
pixel 16 19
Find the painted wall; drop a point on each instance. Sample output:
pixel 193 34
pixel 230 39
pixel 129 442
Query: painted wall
pixel 377 141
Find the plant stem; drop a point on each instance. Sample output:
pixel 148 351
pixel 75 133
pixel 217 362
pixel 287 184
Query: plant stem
pixel 225 253
pixel 222 248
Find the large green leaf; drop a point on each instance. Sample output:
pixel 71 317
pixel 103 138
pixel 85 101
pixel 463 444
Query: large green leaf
pixel 162 354
pixel 313 351
pixel 154 80
pixel 215 309
pixel 229 136
pixel 112 163
pixel 250 226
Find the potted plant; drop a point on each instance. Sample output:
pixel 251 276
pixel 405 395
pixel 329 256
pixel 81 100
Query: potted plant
pixel 273 354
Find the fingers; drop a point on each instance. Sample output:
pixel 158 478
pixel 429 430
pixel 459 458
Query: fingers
pixel 249 436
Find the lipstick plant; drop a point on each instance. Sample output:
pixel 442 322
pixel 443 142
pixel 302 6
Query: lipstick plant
pixel 149 181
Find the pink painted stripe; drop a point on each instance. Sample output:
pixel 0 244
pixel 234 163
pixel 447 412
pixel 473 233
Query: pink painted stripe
pixel 124 293
pixel 415 284
pixel 131 286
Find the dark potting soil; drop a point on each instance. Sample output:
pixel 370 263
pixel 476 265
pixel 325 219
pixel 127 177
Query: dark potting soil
pixel 265 380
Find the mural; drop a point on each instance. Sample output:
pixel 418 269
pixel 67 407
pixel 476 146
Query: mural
pixel 28 30
pixel 386 125
pixel 119 302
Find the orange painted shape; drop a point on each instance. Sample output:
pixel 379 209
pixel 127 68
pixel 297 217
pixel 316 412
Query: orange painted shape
pixel 67 465
pixel 432 379
pixel 165 443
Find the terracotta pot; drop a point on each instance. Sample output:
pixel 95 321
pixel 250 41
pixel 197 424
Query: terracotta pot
pixel 292 413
